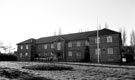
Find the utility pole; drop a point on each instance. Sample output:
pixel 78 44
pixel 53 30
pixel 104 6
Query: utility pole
pixel 97 42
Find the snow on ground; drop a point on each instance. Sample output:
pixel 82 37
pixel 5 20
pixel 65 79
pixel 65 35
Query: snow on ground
pixel 79 72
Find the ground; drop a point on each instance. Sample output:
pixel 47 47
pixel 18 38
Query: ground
pixel 82 71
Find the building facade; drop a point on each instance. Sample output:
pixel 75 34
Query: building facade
pixel 76 47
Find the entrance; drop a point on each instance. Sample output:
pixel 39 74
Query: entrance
pixel 60 55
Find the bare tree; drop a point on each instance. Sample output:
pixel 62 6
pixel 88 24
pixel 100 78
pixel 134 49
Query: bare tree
pixel 132 38
pixel 80 30
pixel 123 36
pixel 99 27
pixel 3 47
pixel 59 33
pixel 106 25
pixel 54 33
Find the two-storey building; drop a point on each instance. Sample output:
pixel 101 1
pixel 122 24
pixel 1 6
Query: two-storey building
pixel 74 47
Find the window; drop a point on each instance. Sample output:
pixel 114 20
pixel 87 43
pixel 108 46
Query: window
pixel 45 46
pixel 78 43
pixel 97 40
pixel 109 39
pixel 20 54
pixel 59 46
pixel 86 43
pixel 69 44
pixel 110 50
pixel 21 47
pixel 27 47
pixel 97 50
pixel 70 53
pixel 52 45
pixel 78 54
pixel 26 54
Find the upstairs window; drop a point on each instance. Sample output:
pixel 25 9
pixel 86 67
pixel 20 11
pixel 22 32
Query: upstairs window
pixel 52 45
pixel 78 43
pixel 109 39
pixel 69 44
pixel 70 53
pixel 86 43
pixel 45 46
pixel 21 47
pixel 110 50
pixel 59 46
pixel 97 40
pixel 27 47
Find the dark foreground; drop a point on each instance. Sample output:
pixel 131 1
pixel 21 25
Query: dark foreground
pixel 14 71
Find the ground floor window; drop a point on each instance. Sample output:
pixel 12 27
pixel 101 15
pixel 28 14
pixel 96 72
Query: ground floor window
pixel 97 51
pixel 78 54
pixel 70 53
pixel 26 54
pixel 110 50
pixel 21 54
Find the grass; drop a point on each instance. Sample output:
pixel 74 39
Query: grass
pixel 19 75
pixel 49 67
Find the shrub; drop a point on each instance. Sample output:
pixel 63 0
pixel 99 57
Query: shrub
pixel 48 67
pixel 7 57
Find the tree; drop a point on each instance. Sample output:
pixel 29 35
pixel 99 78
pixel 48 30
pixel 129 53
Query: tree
pixel 3 47
pixel 59 33
pixel 123 36
pixel 106 25
pixel 99 26
pixel 132 38
pixel 54 33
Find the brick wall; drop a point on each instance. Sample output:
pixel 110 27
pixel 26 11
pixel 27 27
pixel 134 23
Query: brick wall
pixel 104 56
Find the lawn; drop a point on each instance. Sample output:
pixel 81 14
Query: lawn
pixel 77 72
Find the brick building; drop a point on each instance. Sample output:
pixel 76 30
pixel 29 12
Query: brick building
pixel 76 47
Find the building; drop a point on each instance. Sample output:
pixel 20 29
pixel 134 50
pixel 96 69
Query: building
pixel 76 47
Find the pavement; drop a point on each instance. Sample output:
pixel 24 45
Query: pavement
pixel 99 65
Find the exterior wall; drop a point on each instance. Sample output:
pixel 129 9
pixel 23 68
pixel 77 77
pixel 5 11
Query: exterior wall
pixel 42 52
pixel 86 52
pixel 104 57
pixel 64 50
pixel 76 49
pixel 28 52
pixel 21 53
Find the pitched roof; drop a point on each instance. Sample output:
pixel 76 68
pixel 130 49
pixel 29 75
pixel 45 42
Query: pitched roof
pixel 73 36
pixel 104 31
pixel 27 41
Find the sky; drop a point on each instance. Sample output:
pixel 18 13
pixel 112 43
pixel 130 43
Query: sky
pixel 24 19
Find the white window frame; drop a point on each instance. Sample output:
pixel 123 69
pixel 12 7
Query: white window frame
pixel 110 51
pixel 52 45
pixel 97 40
pixel 70 53
pixel 59 46
pixel 69 44
pixel 27 46
pixel 45 46
pixel 21 47
pixel 78 43
pixel 109 39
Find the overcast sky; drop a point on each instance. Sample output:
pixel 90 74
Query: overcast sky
pixel 24 19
